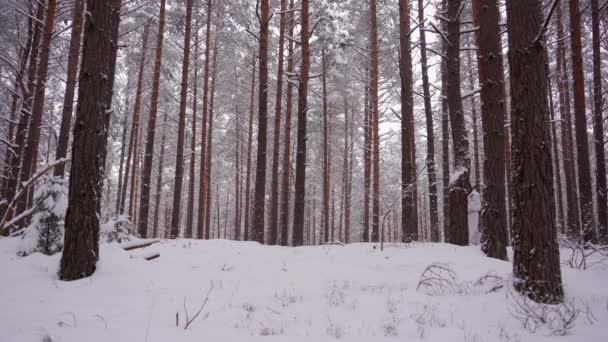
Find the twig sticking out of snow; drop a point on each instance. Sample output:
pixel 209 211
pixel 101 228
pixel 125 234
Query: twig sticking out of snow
pixel 189 320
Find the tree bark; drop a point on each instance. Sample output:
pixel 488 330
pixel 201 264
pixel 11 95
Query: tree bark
pixel 27 94
pixel 580 124
pixel 536 264
pixel 493 220
pixel 375 122
pixel 200 223
pixel 179 158
pixel 459 186
pixel 430 135
pixel 210 140
pixel 151 129
pixel 300 180
pixel 284 219
pixel 81 242
pixel 249 150
pixel 159 180
pixel 326 162
pixel 30 152
pixel 566 120
pixel 70 85
pixel 367 158
pixel 274 188
pixel 409 215
pixel 259 198
pixel 598 127
pixel 192 166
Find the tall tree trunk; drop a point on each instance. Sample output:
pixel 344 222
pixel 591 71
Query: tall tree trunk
pixel 477 168
pixel 30 152
pixel 409 215
pixel 349 181
pixel 274 188
pixel 27 94
pixel 179 158
pixel 159 180
pixel 430 135
pixel 375 122
pixel 237 163
pixel 284 219
pixel 81 242
pixel 134 136
pixel 580 124
pixel 326 178
pixel 19 88
pixel 493 220
pixel 200 222
pixel 123 146
pixel 151 129
pixel 598 126
pixel 210 139
pixel 192 166
pixel 556 166
pixel 445 141
pixel 259 198
pixel 70 85
pixel 300 181
pixel 536 264
pixel 249 150
pixel 367 158
pixel 566 119
pixel 459 186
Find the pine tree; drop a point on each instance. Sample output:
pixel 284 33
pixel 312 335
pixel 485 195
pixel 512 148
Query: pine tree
pixel 536 265
pixel 81 243
pixel 179 159
pixel 151 128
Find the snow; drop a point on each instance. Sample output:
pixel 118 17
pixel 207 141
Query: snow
pixel 323 293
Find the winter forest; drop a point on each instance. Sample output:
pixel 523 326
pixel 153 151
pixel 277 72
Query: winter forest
pixel 358 170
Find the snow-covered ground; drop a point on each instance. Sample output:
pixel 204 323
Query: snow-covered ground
pixel 324 293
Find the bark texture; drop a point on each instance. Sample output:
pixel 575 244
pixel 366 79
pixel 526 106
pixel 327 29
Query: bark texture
pixel 536 265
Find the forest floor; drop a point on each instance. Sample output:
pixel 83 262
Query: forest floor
pixel 324 293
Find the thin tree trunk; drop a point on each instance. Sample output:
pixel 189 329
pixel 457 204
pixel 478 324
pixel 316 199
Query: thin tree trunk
pixel 208 169
pixel 122 177
pixel 191 182
pixel 493 220
pixel 259 198
pixel 536 264
pixel 326 178
pixel 200 222
pixel 367 158
pixel 445 137
pixel 237 164
pixel 81 242
pixel 300 179
pixel 151 129
pixel 179 158
pixel 274 188
pixel 27 93
pixel 556 165
pixel 375 122
pixel 30 152
pixel 409 215
pixel 476 174
pixel 598 127
pixel 70 85
pixel 430 135
pixel 249 150
pixel 284 219
pixel 159 180
pixel 566 119
pixel 580 124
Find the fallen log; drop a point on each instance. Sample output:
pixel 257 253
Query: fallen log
pixel 141 244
